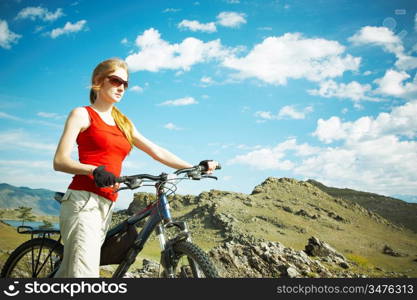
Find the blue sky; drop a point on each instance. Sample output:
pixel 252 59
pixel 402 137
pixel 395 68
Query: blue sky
pixel 304 89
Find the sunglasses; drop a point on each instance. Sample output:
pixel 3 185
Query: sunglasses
pixel 117 81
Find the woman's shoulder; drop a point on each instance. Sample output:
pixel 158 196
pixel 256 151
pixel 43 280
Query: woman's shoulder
pixel 80 114
pixel 80 111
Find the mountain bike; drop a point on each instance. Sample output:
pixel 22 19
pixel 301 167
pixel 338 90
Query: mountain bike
pixel 180 257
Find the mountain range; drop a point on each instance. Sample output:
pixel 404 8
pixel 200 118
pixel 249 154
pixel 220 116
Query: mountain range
pixel 397 211
pixel 41 200
pixel 374 235
pixel 288 212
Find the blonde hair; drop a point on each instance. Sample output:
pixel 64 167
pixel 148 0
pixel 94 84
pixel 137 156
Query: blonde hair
pixel 102 70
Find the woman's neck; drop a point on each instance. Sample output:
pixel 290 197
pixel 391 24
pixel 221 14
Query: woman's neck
pixel 102 106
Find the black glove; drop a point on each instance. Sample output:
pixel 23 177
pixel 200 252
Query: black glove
pixel 103 178
pixel 204 164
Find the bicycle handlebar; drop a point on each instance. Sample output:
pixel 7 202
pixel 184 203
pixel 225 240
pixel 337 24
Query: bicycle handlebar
pixel 134 181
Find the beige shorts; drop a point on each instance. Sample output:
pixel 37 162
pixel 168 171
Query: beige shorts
pixel 84 220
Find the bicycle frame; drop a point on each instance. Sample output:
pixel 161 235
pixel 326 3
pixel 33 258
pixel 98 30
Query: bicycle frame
pixel 158 212
pixel 159 218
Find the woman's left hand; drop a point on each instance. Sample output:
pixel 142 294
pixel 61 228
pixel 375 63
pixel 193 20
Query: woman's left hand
pixel 210 165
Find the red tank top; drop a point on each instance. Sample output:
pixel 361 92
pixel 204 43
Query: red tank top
pixel 100 145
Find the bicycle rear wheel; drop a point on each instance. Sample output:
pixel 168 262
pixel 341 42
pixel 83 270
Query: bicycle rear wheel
pixel 36 258
pixel 191 262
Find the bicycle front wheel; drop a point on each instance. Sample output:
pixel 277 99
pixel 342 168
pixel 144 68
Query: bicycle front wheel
pixel 36 258
pixel 191 262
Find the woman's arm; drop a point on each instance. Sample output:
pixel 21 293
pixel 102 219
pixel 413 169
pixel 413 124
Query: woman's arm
pixel 158 153
pixel 77 120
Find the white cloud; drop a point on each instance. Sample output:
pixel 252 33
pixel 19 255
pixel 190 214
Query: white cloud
pixel 267 115
pixel 385 38
pixel 156 54
pixel 7 37
pixel 352 90
pixel 20 140
pixel 406 62
pixel 381 36
pixel 47 115
pixel 268 158
pixel 392 85
pixel 287 111
pixel 265 28
pixel 373 154
pixel 206 79
pixel 380 165
pixel 171 10
pixel 401 121
pixel 233 1
pixel 197 26
pixel 124 41
pixel 415 22
pixel 39 12
pixel 68 28
pixel 291 112
pixel 226 19
pixel 180 102
pixel 172 126
pixel 4 115
pixel 278 59
pixel 18 172
pixel 137 89
pixel 38 29
pixel 231 19
pixel 43 164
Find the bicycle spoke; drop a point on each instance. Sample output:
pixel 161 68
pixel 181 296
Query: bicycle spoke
pixel 28 267
pixel 35 274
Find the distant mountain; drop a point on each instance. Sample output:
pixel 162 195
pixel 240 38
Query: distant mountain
pixel 408 198
pixel 394 210
pixel 41 200
pixel 290 212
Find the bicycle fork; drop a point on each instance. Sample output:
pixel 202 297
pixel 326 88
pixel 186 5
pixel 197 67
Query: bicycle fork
pixel 168 257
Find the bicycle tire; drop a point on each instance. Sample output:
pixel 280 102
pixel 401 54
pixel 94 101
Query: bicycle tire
pixel 200 264
pixel 14 266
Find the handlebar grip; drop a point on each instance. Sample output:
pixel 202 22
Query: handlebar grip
pixel 121 179
pixel 204 164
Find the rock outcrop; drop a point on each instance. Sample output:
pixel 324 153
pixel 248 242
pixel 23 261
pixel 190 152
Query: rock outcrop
pixel 262 259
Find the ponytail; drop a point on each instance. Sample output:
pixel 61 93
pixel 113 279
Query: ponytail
pixel 93 96
pixel 124 124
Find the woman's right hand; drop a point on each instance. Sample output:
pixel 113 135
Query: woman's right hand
pixel 103 178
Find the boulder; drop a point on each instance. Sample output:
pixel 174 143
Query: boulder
pixel 389 251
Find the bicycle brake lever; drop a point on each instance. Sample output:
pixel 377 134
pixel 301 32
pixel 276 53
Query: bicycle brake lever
pixel 120 189
pixel 195 175
pixel 209 176
pixel 135 184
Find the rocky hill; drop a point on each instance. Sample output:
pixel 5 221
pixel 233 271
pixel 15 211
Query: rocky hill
pixel 395 210
pixel 41 200
pixel 267 233
pixel 284 228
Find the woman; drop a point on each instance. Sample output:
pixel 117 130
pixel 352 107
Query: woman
pixel 104 137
